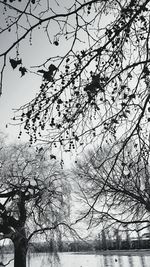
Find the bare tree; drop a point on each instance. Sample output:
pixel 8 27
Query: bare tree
pixel 34 198
pixel 120 196
pixel 99 86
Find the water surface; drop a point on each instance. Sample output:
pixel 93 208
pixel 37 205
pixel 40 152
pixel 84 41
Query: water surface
pixel 85 260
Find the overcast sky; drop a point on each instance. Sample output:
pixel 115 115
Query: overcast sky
pixel 16 90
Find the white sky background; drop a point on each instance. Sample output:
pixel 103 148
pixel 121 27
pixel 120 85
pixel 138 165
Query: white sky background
pixel 19 90
pixel 16 90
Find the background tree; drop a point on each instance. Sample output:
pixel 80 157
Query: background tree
pixel 34 198
pixel 104 240
pixel 120 196
pixel 117 238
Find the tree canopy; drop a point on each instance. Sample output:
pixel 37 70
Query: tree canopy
pixel 118 196
pixel 34 199
pixel 97 87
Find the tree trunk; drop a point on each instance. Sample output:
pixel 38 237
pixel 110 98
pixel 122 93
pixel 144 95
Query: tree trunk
pixel 20 250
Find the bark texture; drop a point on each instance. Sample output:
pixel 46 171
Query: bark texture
pixel 20 249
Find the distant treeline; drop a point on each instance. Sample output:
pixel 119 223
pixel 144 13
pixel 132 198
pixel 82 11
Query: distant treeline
pixel 81 246
pixel 123 244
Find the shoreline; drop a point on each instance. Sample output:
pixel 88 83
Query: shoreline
pixel 131 252
pixel 139 252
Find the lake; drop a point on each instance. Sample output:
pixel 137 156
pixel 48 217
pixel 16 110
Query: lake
pixel 137 259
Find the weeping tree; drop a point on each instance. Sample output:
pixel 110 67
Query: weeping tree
pixel 34 199
pixel 117 197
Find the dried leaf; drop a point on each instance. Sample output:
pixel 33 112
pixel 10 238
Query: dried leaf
pixel 14 63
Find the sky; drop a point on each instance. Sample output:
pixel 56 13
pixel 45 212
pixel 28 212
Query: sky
pixel 20 90
pixel 16 90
